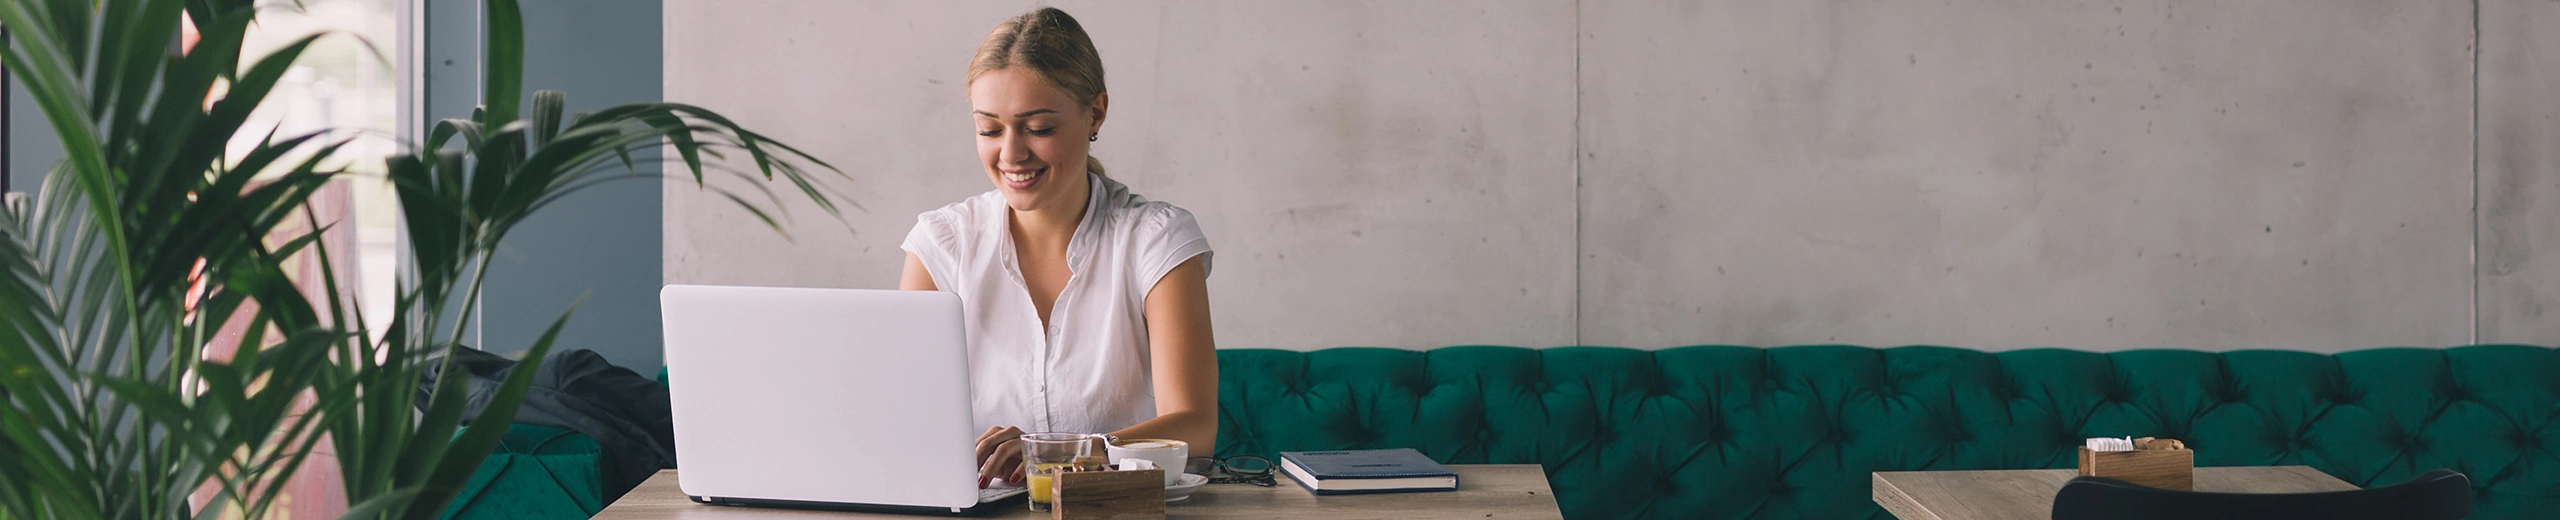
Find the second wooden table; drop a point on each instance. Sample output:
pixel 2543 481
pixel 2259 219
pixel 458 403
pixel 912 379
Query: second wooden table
pixel 2027 494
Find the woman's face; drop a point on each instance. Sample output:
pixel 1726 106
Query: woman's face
pixel 1032 138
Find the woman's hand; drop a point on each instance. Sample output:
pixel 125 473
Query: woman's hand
pixel 1000 455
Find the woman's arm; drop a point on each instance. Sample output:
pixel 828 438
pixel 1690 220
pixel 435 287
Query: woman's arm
pixel 915 278
pixel 1185 360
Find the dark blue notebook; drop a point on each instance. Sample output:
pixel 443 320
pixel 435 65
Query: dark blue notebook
pixel 1366 471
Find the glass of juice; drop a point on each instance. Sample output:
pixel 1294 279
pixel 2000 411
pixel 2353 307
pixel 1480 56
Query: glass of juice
pixel 1042 456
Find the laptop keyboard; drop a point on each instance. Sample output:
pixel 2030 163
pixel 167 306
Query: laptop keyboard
pixel 999 493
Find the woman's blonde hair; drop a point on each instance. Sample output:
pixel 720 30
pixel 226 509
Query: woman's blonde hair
pixel 1052 45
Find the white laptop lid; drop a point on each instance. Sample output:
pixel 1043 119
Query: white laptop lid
pixel 820 395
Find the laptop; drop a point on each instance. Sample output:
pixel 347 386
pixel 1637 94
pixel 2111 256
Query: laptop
pixel 837 399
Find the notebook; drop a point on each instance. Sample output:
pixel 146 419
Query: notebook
pixel 1366 471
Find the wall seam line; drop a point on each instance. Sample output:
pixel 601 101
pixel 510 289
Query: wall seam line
pixel 2477 216
pixel 1578 172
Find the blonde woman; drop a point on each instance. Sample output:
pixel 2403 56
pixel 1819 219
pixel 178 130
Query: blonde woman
pixel 1087 305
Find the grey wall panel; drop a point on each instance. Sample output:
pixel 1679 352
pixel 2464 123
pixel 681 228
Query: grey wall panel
pixel 1389 173
pixel 2214 175
pixel 601 245
pixel 33 149
pixel 2519 171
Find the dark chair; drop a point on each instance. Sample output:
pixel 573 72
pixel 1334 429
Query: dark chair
pixel 2437 495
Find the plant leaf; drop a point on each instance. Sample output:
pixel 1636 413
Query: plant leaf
pixel 547 106
pixel 504 74
pixel 485 431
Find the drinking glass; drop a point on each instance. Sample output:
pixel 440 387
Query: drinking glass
pixel 1043 454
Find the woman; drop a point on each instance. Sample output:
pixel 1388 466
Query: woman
pixel 1087 305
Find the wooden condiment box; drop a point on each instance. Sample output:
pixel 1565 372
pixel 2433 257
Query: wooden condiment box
pixel 2164 469
pixel 1112 495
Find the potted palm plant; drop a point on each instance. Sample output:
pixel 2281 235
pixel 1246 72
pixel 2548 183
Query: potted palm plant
pixel 150 240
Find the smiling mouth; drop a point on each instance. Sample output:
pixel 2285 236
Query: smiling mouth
pixel 1024 181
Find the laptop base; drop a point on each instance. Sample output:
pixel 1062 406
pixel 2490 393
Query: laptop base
pixel 982 509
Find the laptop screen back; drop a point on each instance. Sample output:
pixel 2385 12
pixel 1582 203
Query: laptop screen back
pixel 820 395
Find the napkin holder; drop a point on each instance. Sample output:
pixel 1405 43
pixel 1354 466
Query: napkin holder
pixel 1108 494
pixel 2157 463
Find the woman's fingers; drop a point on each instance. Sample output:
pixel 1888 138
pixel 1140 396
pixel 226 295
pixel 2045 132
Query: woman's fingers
pixel 1000 455
pixel 995 436
pixel 985 445
pixel 1004 463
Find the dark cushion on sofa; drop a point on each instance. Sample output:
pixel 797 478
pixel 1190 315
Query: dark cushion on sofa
pixel 1793 432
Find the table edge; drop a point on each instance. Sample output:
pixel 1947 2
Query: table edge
pixel 1899 498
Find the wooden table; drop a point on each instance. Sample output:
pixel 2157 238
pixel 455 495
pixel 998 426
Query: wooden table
pixel 1495 491
pixel 2028 494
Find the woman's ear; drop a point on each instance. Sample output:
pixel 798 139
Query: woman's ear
pixel 1101 106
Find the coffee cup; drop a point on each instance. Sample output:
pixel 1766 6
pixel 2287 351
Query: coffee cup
pixel 1166 453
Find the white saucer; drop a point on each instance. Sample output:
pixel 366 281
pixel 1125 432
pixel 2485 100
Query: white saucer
pixel 1182 489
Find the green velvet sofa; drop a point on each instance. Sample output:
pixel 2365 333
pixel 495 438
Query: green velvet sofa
pixel 1793 432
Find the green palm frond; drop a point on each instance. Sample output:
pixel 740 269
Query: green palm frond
pixel 151 239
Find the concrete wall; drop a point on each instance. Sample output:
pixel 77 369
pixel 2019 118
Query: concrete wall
pixel 2289 174
pixel 2211 175
pixel 1422 196
pixel 2519 171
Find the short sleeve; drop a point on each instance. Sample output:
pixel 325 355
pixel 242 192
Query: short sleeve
pixel 1167 237
pixel 935 243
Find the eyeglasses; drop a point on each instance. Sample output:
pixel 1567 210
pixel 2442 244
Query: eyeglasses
pixel 1242 469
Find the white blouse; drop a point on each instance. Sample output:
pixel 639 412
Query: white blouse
pixel 1088 372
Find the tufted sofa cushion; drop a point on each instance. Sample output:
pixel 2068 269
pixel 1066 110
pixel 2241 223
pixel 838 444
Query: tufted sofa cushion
pixel 1793 432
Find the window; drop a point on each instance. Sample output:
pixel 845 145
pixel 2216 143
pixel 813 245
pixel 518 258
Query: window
pixel 349 81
